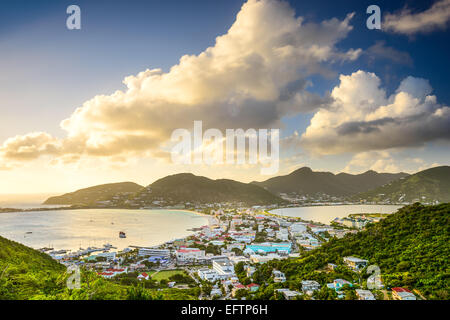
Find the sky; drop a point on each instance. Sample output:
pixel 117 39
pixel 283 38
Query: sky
pixel 99 104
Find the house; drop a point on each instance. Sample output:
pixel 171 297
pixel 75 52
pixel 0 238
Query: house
pixel 288 294
pixel 278 276
pixel 250 271
pixel 117 271
pixel 143 276
pixel 237 286
pixel 338 284
pixel 107 275
pixel 355 263
pixel 309 286
pixel 253 287
pixel 364 294
pixel 402 294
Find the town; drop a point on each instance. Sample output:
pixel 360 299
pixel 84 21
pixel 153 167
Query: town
pixel 224 258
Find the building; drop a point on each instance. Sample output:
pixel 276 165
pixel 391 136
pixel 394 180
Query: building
pixel 355 263
pixel 189 254
pixel 236 259
pixel 107 255
pixel 223 267
pixel 250 271
pixel 149 252
pixel 402 294
pixel 269 247
pixel 256 258
pixel 207 274
pixel 278 276
pixel 288 294
pixel 253 287
pixel 309 286
pixel 338 284
pixel 237 286
pixel 107 275
pixel 364 294
pixel 143 276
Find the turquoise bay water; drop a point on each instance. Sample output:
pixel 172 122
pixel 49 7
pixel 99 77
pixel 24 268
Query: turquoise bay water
pixel 72 229
pixel 325 214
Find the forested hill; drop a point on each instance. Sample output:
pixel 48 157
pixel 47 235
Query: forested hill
pixel 25 272
pixel 186 187
pixel 95 194
pixel 305 182
pixel 425 186
pixel 411 247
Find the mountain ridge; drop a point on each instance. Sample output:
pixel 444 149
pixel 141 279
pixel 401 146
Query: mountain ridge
pixel 428 185
pixel 305 181
pixel 94 194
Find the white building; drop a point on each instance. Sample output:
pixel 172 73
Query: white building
pixel 207 274
pixel 190 254
pixel 143 252
pixel 355 263
pixel 364 294
pixel 288 294
pixel 224 267
pixel 309 286
pixel 278 276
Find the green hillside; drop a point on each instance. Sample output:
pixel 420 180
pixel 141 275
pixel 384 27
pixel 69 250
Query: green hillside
pixel 425 186
pixel 411 247
pixel 186 187
pixel 304 181
pixel 25 272
pixel 114 192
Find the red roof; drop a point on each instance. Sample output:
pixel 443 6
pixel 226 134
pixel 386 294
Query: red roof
pixel 145 275
pixel 105 273
pixel 252 285
pixel 399 289
pixel 115 270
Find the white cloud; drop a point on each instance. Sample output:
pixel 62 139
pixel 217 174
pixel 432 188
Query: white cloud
pixel 252 77
pixel 380 51
pixel 386 161
pixel 362 117
pixel 406 22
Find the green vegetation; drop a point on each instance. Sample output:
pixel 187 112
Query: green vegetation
pixel 186 187
pixel 27 274
pixel 167 274
pixel 307 182
pixel 425 186
pixel 411 247
pixel 89 196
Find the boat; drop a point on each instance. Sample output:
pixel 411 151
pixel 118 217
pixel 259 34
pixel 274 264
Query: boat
pixel 122 234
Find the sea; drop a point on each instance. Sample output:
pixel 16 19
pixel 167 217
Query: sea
pixel 327 213
pixel 75 229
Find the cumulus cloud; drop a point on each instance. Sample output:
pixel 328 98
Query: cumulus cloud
pixel 409 23
pixel 253 76
pixel 386 161
pixel 362 117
